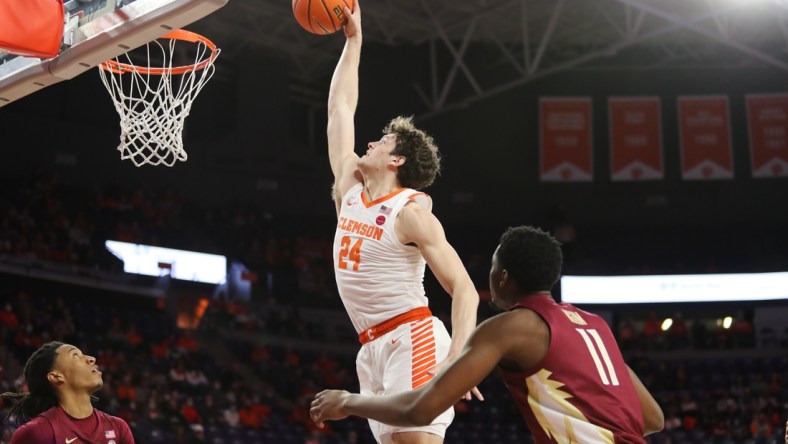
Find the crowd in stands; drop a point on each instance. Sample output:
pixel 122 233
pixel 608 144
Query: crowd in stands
pixel 165 382
pixel 48 219
pixel 173 385
pixel 45 217
pixel 207 385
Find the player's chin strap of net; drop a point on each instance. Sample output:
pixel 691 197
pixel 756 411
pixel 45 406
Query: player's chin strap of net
pixel 153 102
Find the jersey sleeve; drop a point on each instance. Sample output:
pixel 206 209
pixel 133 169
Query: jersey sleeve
pixel 34 432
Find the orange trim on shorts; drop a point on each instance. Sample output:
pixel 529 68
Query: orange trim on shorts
pixel 423 358
pixel 384 327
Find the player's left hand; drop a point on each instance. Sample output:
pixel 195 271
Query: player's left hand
pixel 474 391
pixel 352 27
pixel 328 406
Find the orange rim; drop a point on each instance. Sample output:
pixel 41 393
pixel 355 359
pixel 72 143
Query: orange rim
pixel 178 34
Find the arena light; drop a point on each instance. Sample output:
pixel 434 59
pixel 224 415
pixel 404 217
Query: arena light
pixel 178 264
pixel 674 288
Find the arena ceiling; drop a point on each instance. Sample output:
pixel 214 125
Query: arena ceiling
pixel 521 40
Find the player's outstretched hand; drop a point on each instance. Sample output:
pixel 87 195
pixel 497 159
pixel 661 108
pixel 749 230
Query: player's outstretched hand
pixel 328 405
pixel 474 391
pixel 352 27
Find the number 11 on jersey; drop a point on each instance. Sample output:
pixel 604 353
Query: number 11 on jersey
pixel 353 254
pixel 588 334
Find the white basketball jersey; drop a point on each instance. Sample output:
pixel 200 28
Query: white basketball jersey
pixel 377 276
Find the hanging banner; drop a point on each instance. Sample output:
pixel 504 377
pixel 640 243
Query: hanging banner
pixel 635 138
pixel 705 137
pixel 565 139
pixel 767 120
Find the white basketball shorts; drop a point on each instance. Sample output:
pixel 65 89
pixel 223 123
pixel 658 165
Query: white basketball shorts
pixel 399 361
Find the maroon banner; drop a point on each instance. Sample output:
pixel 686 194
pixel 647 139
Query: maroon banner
pixel 635 138
pixel 705 136
pixel 767 119
pixel 565 139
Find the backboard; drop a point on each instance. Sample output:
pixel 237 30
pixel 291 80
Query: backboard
pixel 96 31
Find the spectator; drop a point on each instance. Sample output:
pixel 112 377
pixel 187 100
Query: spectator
pixel 132 337
pixel 248 415
pixel 190 413
pixel 719 429
pixel 672 420
pixel 196 380
pixel 178 375
pixel 8 318
pixel 115 334
pixel 760 427
pixel 126 390
pixel 231 417
pixel 186 342
pixel 208 409
pixel 689 411
pixel 161 349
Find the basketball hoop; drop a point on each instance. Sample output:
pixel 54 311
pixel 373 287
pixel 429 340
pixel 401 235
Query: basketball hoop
pixel 152 106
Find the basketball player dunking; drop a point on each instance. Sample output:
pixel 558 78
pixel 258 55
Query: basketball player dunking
pixel 385 235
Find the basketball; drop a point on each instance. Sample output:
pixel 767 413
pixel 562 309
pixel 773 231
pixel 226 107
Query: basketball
pixel 321 16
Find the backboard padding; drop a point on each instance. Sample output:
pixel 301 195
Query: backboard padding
pixel 99 40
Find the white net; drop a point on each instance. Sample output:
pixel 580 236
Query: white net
pixel 153 102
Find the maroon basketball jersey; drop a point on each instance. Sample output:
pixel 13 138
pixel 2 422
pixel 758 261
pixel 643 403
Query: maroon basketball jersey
pixel 55 426
pixel 581 391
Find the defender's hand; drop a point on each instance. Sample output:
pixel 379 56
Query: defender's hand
pixel 328 405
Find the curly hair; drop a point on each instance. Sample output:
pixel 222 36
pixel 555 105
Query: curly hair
pixel 531 256
pixel 422 159
pixel 42 396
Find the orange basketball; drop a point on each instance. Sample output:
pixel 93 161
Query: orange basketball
pixel 321 16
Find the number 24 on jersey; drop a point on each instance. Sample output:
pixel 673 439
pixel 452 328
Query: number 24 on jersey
pixel 353 254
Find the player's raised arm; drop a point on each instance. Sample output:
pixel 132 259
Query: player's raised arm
pixel 419 226
pixel 342 101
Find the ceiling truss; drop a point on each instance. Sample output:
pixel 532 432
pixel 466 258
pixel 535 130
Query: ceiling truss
pixel 522 40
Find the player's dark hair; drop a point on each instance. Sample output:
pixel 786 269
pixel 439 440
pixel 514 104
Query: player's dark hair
pixel 422 159
pixel 41 396
pixel 531 256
